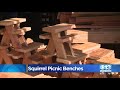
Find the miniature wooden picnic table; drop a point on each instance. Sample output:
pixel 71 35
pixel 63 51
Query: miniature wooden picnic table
pixel 60 42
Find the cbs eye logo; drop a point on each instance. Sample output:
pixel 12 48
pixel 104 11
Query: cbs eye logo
pixel 14 68
pixel 105 68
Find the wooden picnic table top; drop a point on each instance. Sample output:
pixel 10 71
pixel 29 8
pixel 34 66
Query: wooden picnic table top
pixel 58 28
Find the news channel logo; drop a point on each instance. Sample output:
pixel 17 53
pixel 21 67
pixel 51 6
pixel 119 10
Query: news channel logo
pixel 13 68
pixel 105 68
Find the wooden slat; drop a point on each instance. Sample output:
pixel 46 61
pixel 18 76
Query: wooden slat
pixel 97 19
pixel 29 40
pixel 71 59
pixel 14 75
pixel 105 60
pixel 58 28
pixel 106 35
pixel 12 21
pixel 22 75
pixel 43 76
pixel 81 37
pixel 26 29
pixel 109 60
pixel 96 26
pixel 100 53
pixel 87 47
pixel 19 20
pixel 7 22
pixel 72 20
pixel 30 47
pixel 81 14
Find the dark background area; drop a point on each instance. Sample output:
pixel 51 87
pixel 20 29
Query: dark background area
pixel 35 20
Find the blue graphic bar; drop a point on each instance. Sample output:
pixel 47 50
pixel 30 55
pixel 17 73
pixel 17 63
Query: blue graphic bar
pixel 73 68
pixel 59 68
pixel 12 68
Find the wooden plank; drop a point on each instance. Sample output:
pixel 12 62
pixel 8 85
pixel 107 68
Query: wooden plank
pixel 107 23
pixel 58 28
pixel 107 35
pixel 100 53
pixel 12 21
pixel 43 76
pixel 19 20
pixel 81 37
pixel 14 75
pixel 26 29
pixel 29 40
pixel 107 60
pixel 30 47
pixel 96 26
pixel 86 47
pixel 72 20
pixel 97 19
pixel 81 14
pixel 71 59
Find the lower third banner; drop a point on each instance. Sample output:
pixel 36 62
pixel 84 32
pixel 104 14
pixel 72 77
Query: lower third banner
pixel 59 68
pixel 73 68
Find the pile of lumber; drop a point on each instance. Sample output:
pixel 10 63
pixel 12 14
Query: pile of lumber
pixel 108 35
pixel 23 75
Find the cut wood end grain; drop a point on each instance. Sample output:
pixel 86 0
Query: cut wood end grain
pixel 59 27
pixel 19 20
